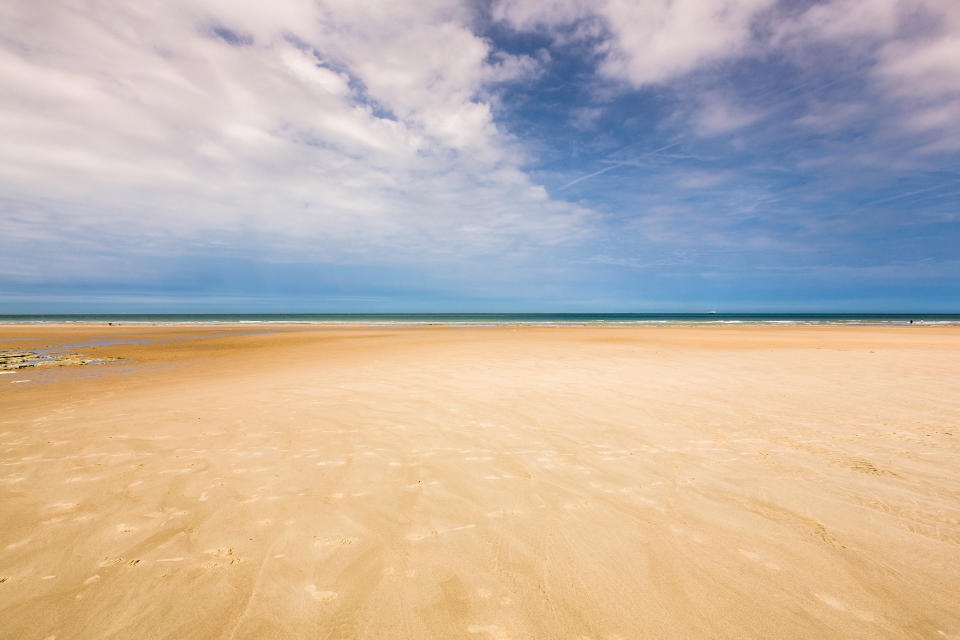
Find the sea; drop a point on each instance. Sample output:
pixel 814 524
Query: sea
pixel 497 319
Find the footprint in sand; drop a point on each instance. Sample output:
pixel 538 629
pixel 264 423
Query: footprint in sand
pixel 221 556
pixel 339 541
pixel 417 537
pixel 329 545
pixel 825 536
pixel 109 561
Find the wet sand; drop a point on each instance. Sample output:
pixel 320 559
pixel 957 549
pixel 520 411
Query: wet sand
pixel 329 482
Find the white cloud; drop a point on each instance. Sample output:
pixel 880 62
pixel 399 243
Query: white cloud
pixel 649 42
pixel 527 15
pixel 906 51
pixel 924 80
pixel 718 114
pixel 657 41
pixel 330 131
pixel 842 20
pixel 823 116
pixel 910 48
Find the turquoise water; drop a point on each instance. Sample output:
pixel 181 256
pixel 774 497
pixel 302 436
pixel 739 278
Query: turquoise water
pixel 500 319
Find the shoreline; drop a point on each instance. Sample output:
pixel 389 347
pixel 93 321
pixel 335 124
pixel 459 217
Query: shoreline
pixel 485 320
pixel 493 325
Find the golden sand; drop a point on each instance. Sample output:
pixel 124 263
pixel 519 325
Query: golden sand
pixel 323 482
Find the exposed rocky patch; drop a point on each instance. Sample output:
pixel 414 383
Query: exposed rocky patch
pixel 26 359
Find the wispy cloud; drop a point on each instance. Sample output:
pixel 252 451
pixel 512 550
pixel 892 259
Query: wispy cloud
pixel 317 130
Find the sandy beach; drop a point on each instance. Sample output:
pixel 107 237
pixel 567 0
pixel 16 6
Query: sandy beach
pixel 482 483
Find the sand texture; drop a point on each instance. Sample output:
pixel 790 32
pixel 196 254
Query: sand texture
pixel 482 484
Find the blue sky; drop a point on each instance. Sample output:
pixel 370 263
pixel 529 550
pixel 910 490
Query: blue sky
pixel 561 155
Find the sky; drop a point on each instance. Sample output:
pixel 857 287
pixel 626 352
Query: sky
pixel 504 155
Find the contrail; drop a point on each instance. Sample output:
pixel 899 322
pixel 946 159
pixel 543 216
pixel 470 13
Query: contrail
pixel 591 175
pixel 614 166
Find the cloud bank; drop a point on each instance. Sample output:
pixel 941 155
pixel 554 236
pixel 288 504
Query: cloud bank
pixel 327 131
